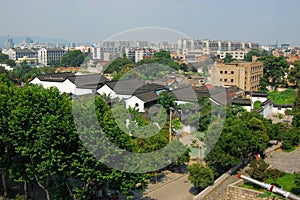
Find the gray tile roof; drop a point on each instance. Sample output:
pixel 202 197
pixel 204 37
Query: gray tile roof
pixel 128 86
pixel 56 77
pixel 88 80
pixel 147 97
pixel 241 101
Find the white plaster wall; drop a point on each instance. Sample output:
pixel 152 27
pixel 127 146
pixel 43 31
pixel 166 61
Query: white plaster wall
pixel 82 91
pixel 248 108
pixel 281 111
pixel 105 90
pixel 131 102
pixel 261 99
pixel 64 87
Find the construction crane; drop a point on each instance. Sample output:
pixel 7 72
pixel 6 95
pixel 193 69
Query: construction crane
pixel 270 187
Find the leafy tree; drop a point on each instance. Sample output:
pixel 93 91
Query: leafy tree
pixel 72 59
pixel 183 67
pixel 162 54
pixel 257 104
pixel 167 100
pixel 47 69
pixel 164 57
pixel 3 57
pixel 10 62
pixel 261 171
pixel 252 52
pixel 265 53
pixel 296 111
pixel 117 64
pixel 5 60
pixel 228 58
pixel 294 73
pixel 243 134
pixel 200 176
pixel 42 136
pixel 278 131
pixel 275 69
pixel 7 153
pixel 24 73
pixel 291 139
pixel 123 72
pixel 297 180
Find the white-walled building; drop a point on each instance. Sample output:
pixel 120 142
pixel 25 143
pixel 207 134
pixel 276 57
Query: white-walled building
pixel 16 54
pixel 71 83
pixel 238 54
pixel 46 56
pixel 61 81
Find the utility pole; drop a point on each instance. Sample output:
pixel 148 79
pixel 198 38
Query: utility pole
pixel 170 128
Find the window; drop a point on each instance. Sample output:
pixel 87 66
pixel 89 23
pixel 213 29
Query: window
pixel 225 72
pixel 231 80
pixel 225 80
pixel 221 72
pixel 221 79
pixel 232 72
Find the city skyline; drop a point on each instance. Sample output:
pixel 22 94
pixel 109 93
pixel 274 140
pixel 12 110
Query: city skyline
pixel 91 21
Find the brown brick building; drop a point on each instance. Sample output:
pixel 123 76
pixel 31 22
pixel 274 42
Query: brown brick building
pixel 245 75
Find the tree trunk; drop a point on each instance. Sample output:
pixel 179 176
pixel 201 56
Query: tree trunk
pixel 43 187
pixel 70 191
pixel 25 190
pixel 4 182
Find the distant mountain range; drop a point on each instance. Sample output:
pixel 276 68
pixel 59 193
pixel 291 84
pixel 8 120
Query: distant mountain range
pixel 19 39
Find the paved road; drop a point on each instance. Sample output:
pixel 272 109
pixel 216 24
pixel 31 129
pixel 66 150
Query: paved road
pixel 286 162
pixel 179 189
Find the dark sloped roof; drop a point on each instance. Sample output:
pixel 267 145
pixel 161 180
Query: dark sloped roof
pixel 266 102
pixel 257 94
pixel 88 80
pixel 283 106
pixel 147 96
pixel 128 86
pixel 24 51
pixel 220 95
pixel 241 101
pixel 185 94
pixel 56 77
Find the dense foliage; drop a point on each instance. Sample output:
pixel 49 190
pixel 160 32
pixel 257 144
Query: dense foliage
pixel 72 59
pixel 294 73
pixel 200 176
pixel 4 59
pixel 243 134
pixel 37 130
pixel 275 69
pixel 296 111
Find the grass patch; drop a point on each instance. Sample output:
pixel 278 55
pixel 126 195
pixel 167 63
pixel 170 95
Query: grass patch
pixel 251 186
pixel 289 150
pixel 286 182
pixel 286 97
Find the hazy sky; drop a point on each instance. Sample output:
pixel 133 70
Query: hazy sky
pixel 264 21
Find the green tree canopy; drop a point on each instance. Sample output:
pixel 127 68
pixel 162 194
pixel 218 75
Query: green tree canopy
pixel 228 58
pixel 252 52
pixel 72 59
pixel 117 64
pixel 294 73
pixel 275 69
pixel 296 110
pixel 200 176
pixel 243 134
